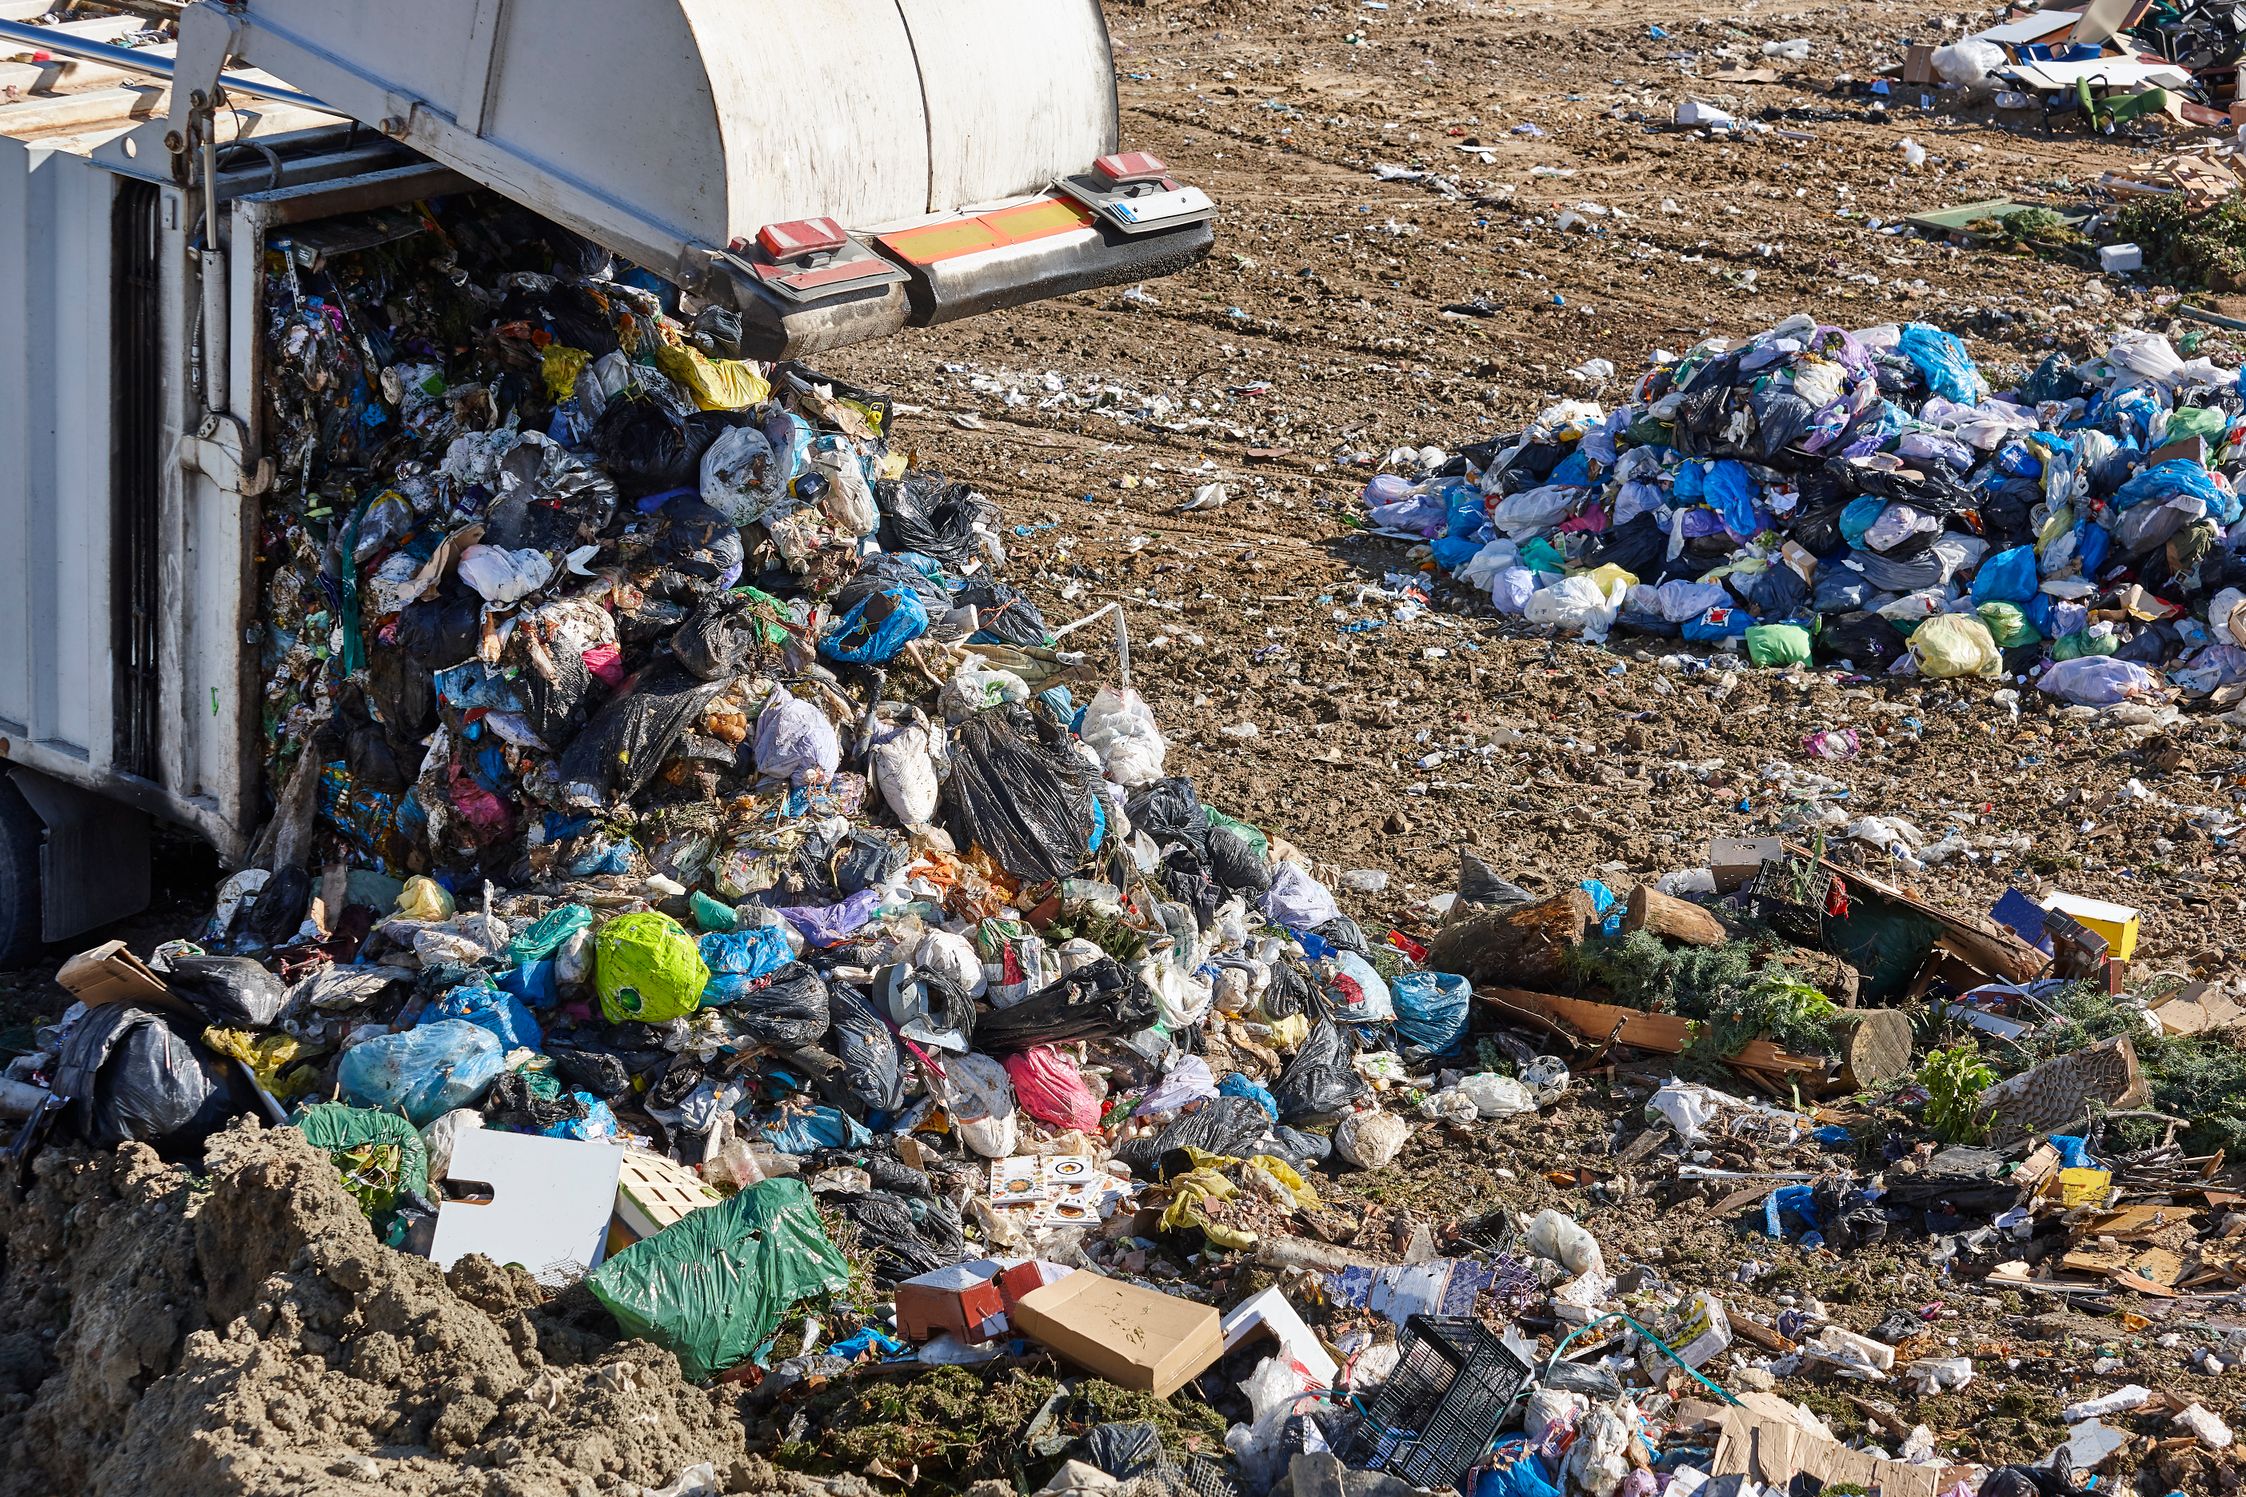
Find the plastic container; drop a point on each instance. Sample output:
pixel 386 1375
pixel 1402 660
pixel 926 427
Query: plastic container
pixel 1434 1419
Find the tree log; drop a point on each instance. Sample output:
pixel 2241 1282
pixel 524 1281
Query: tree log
pixel 1677 919
pixel 1524 946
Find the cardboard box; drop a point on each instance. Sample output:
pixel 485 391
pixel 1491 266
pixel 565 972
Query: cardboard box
pixel 1133 1337
pixel 1734 861
pixel 2116 922
pixel 111 974
pixel 1918 64
pixel 962 1299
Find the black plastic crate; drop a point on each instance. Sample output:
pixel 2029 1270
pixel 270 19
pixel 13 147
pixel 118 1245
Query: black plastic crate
pixel 1777 900
pixel 1441 1409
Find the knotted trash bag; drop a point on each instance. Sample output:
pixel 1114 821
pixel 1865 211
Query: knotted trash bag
pixel 647 969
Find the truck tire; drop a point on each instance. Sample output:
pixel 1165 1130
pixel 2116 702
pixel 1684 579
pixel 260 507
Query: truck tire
pixel 21 940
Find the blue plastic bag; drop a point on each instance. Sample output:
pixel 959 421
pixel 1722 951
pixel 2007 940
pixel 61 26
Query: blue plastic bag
pixel 2165 481
pixel 740 960
pixel 860 637
pixel 1238 1085
pixel 532 982
pixel 1943 360
pixel 597 1124
pixel 424 1072
pixel 1730 491
pixel 494 1009
pixel 807 1130
pixel 1431 1009
pixel 1718 624
pixel 2007 577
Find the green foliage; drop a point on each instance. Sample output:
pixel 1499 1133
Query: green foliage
pixel 1721 987
pixel 373 1173
pixel 2190 248
pixel 1954 1080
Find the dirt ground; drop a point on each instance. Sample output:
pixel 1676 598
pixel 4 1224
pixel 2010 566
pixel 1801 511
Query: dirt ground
pixel 243 1333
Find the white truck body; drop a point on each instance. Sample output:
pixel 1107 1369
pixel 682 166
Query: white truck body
pixel 671 131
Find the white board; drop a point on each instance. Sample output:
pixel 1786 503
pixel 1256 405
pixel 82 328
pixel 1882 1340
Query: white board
pixel 550 1201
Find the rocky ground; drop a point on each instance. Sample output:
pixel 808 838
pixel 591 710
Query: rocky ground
pixel 241 1331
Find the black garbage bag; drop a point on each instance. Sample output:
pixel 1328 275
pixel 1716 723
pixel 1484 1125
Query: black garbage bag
pixel 789 1011
pixel 133 1075
pixel 441 631
pixel 867 858
pixel 1291 990
pixel 1869 640
pixel 882 571
pixel 382 742
pixel 233 991
pixel 2054 379
pixel 923 513
pixel 557 689
pixel 512 1105
pixel 554 501
pixel 1816 527
pixel 1533 464
pixel 1300 1149
pixel 909 1235
pixel 1344 934
pixel 1232 1126
pixel 699 545
pixel 646 446
pixel 1022 801
pixel 1638 546
pixel 1100 999
pixel 1170 811
pixel 1319 1080
pixel 1478 884
pixel 1776 592
pixel 1186 879
pixel 1003 615
pixel 722 638
pixel 600 1072
pixel 2032 1481
pixel 1237 863
pixel 1133 1454
pixel 1781 417
pixel 873 1070
pixel 627 741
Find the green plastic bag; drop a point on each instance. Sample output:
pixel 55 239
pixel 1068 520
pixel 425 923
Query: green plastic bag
pixel 1950 645
pixel 712 1287
pixel 341 1130
pixel 646 968
pixel 2209 421
pixel 714 915
pixel 2082 642
pixel 548 933
pixel 1252 835
pixel 1778 644
pixel 2008 626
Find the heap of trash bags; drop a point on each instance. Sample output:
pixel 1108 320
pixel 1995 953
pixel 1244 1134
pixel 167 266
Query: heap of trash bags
pixel 1862 499
pixel 659 760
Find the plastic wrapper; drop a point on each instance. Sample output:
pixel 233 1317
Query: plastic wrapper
pixel 711 1287
pixel 423 1072
pixel 1020 801
pixel 794 740
pixel 1120 729
pixel 904 768
pixel 1371 1139
pixel 979 1095
pixel 739 961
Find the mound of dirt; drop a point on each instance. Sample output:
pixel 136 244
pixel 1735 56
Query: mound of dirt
pixel 244 1332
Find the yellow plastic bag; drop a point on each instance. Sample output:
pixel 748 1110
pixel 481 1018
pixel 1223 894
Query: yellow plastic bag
pixel 268 1056
pixel 1950 645
pixel 715 384
pixel 561 365
pixel 423 898
pixel 1607 576
pixel 1302 1190
pixel 1290 1032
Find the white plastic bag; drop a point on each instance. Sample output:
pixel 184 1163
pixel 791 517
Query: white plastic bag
pixel 1576 604
pixel 904 768
pixel 1120 728
pixel 1564 1240
pixel 977 1093
pixel 440 1136
pixel 1371 1140
pixel 794 740
pixel 1496 1096
pixel 2098 681
pixel 1298 901
pixel 1684 1107
pixel 849 503
pixel 737 475
pixel 502 576
pixel 953 958
pixel 1968 61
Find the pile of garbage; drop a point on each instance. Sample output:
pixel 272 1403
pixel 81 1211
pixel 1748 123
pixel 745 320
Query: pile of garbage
pixel 698 880
pixel 1862 499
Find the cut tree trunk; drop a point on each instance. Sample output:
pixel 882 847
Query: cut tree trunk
pixel 1677 919
pixel 1525 946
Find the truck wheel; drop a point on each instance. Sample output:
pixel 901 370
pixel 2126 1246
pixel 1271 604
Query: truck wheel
pixel 21 941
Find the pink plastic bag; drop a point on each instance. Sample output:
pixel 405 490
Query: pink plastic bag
pixel 1049 1089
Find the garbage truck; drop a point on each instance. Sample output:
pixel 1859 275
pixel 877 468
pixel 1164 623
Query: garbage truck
pixel 828 170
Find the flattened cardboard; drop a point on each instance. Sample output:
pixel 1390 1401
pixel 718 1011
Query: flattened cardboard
pixel 1770 1440
pixel 1136 1338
